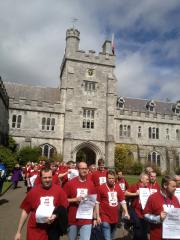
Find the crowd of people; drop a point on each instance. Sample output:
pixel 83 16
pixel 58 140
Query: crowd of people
pixel 73 199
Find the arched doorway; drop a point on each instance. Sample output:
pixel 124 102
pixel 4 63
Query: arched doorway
pixel 86 154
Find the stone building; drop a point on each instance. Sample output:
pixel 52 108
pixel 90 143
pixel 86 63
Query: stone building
pixel 85 115
pixel 4 114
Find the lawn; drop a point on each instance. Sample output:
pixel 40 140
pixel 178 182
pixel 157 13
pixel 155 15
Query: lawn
pixel 134 178
pixel 6 185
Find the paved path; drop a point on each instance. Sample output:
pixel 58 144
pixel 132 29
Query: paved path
pixel 10 213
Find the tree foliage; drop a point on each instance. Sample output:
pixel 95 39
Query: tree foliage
pixel 123 158
pixel 7 157
pixel 28 154
pixel 12 145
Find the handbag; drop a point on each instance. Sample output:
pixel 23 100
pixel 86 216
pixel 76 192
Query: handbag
pixel 97 233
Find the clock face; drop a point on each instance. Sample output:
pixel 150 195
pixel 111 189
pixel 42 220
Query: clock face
pixel 90 71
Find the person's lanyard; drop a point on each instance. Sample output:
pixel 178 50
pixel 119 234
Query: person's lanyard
pixel 109 188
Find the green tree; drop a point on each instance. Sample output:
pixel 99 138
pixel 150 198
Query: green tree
pixel 12 145
pixel 29 154
pixel 57 157
pixel 8 158
pixel 123 158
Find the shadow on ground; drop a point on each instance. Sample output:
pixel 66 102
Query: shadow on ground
pixel 3 201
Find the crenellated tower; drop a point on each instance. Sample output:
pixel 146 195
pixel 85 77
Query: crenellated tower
pixel 88 94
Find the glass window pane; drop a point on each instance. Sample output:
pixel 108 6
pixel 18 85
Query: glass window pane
pixel 43 121
pixel 48 121
pixel 14 118
pixel 53 121
pixel 46 150
pixel 19 119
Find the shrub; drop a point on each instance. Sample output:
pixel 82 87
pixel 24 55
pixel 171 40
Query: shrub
pixel 177 170
pixel 137 168
pixel 7 157
pixel 12 145
pixel 123 158
pixel 57 157
pixel 28 154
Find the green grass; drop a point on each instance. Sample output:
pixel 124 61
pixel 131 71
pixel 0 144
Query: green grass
pixel 134 178
pixel 6 186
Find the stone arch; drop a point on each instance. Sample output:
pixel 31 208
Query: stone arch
pixel 87 151
pixel 154 157
pixel 47 150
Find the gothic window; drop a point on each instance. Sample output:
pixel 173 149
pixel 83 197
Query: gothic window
pixel 47 150
pixel 139 132
pixel 124 130
pixel 167 133
pixel 153 133
pixel 177 134
pixel 154 158
pixel 89 87
pixel 48 124
pixel 88 118
pixel 16 121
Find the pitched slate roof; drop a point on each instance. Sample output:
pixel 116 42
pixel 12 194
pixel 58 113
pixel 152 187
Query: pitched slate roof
pixel 39 93
pixel 136 104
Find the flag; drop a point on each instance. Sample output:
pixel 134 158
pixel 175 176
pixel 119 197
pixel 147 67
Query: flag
pixel 112 44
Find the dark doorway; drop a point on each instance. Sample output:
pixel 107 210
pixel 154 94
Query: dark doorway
pixel 87 155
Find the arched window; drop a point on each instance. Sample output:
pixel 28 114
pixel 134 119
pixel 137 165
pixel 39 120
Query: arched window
pixel 154 158
pixel 47 150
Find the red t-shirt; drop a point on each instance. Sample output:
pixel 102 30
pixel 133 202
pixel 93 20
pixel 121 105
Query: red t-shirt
pixel 98 177
pixel 153 187
pixel 55 180
pixel 31 203
pixel 135 200
pixel 74 188
pixel 123 184
pixel 109 199
pixel 154 206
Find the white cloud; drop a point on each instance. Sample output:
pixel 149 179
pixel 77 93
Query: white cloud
pixel 32 41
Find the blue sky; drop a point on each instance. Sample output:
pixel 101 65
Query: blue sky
pixel 147 39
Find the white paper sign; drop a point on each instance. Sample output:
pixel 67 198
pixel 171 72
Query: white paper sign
pixel 82 192
pixel 112 198
pixel 177 194
pixel 144 194
pixel 45 209
pixel 72 173
pixel 32 180
pixel 152 190
pixel 85 208
pixel 102 180
pixel 171 224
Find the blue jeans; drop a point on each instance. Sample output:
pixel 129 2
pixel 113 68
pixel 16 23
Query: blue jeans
pixel 84 231
pixel 108 230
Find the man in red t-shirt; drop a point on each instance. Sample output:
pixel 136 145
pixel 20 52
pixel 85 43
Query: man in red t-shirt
pixel 109 196
pixel 77 190
pixel 153 185
pixel 158 204
pixel 122 182
pixel 99 176
pixel 40 203
pixel 135 209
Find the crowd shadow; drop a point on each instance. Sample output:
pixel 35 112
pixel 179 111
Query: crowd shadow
pixel 3 201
